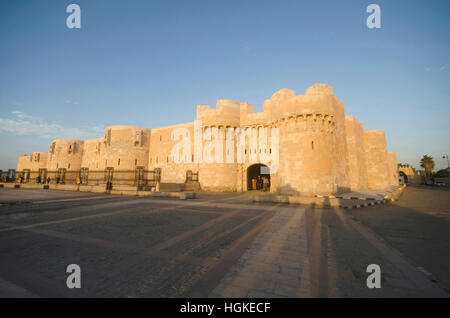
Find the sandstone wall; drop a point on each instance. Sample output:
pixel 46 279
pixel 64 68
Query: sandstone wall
pixel 226 113
pixel 126 147
pixel 393 170
pixel 356 157
pixel 212 176
pixel 33 162
pixel 93 154
pixel 320 150
pixel 376 159
pixel 65 153
pixel 160 154
pixel 24 162
pixel 312 141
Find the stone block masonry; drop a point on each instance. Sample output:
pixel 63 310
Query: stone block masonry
pixel 319 149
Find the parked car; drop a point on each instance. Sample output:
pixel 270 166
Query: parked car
pixel 439 183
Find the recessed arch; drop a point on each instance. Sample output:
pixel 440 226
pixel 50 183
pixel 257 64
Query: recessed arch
pixel 403 178
pixel 255 172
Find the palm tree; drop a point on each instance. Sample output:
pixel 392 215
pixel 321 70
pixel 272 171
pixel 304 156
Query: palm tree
pixel 427 163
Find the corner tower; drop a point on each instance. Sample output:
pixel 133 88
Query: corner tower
pixel 312 141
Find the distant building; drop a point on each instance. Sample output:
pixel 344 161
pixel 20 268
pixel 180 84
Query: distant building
pixel 407 174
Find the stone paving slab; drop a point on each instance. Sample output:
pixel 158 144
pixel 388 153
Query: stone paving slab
pixel 305 252
pixel 273 264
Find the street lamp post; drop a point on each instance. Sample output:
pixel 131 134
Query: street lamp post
pixel 448 162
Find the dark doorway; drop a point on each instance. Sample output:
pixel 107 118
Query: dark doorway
pixel 109 173
pixel 258 177
pixel 402 178
pixel 139 177
pixel 61 176
pixel 84 175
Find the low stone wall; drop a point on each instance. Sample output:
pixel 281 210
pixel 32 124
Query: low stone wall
pixel 171 187
pixel 330 201
pixel 102 189
pixel 395 195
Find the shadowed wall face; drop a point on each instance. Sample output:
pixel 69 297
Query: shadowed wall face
pixel 393 169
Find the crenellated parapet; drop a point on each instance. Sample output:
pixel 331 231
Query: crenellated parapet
pixel 227 112
pixel 308 122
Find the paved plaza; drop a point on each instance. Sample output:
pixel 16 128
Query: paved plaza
pixel 221 245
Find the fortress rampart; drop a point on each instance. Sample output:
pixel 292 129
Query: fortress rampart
pixel 318 149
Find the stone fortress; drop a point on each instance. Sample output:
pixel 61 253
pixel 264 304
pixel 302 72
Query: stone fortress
pixel 320 149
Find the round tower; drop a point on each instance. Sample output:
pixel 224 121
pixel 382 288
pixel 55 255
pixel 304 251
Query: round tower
pixel 65 154
pixel 311 141
pixel 126 147
pixel 215 174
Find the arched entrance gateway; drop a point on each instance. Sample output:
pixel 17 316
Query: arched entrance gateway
pixel 258 172
pixel 403 178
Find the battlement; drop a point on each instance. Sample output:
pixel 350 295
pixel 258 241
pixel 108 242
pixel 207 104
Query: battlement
pixel 319 89
pixel 319 98
pixel 68 145
pixel 227 112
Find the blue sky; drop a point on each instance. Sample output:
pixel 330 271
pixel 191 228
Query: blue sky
pixel 149 63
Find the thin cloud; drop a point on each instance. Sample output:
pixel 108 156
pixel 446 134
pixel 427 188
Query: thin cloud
pixel 20 114
pixel 25 125
pixel 71 102
pixel 445 67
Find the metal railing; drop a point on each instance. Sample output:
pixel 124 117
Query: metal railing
pixel 138 177
pixel 8 175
